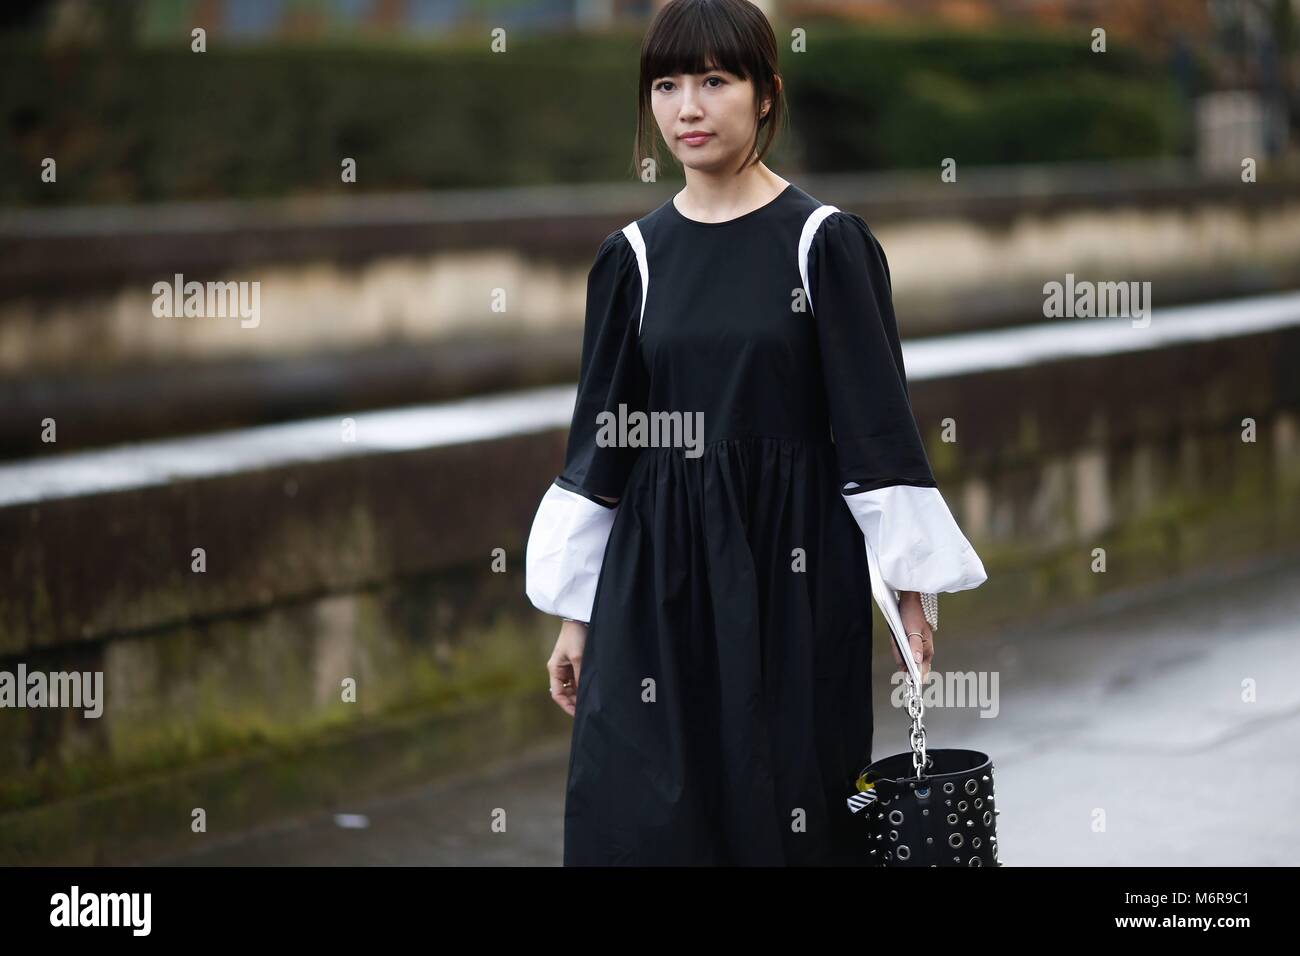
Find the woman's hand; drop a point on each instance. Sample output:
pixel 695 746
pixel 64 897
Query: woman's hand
pixel 914 622
pixel 565 663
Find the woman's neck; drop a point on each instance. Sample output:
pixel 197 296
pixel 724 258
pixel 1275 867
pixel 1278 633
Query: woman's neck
pixel 717 198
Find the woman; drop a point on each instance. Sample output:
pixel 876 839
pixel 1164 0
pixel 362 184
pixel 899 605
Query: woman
pixel 715 652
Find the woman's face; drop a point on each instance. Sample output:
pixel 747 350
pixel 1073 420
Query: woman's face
pixel 717 103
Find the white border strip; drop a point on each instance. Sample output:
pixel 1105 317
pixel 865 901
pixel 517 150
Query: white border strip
pixel 810 227
pixel 633 233
pixel 144 464
pixel 948 355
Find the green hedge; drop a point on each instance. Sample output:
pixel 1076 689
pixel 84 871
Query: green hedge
pixel 157 123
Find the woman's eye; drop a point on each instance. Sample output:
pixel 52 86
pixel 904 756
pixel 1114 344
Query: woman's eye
pixel 666 85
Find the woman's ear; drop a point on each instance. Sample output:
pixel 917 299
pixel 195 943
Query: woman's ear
pixel 767 102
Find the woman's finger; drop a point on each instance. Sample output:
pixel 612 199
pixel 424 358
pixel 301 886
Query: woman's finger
pixel 563 685
pixel 566 697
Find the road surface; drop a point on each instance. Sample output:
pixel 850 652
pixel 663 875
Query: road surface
pixel 1160 727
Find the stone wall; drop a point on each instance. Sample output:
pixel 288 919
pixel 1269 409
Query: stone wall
pixel 378 561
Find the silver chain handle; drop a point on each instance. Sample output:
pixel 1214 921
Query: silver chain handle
pixel 915 709
pixel 887 599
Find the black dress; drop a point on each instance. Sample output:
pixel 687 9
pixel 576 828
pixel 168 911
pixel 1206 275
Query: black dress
pixel 724 701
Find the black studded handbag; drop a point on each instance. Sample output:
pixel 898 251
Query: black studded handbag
pixel 924 807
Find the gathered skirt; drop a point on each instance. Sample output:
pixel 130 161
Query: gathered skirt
pixel 723 705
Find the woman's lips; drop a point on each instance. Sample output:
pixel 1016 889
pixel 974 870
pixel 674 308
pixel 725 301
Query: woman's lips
pixel 697 140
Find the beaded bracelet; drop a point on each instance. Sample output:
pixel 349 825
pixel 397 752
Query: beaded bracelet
pixel 929 607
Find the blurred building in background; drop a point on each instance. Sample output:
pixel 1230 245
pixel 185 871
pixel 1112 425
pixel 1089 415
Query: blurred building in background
pixel 1150 21
pixel 272 20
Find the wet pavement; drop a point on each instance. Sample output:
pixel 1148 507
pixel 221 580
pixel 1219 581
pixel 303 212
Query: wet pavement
pixel 1161 727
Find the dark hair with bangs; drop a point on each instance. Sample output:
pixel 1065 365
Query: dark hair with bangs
pixel 694 36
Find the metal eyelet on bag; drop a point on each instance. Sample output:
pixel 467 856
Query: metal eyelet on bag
pixel 972 786
pixel 962 806
pixel 952 818
pixel 975 842
pixel 988 818
pixel 904 852
pixel 975 861
pixel 896 817
pixel 922 792
pixel 955 840
pixel 893 835
pixel 948 787
pixel 978 803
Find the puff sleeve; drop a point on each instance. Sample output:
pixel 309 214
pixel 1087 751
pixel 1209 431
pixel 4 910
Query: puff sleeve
pixel 566 544
pixel 913 542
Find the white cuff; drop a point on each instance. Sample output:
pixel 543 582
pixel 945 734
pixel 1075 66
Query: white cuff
pixel 916 541
pixel 566 548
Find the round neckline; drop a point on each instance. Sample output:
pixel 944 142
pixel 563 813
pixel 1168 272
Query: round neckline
pixel 727 222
